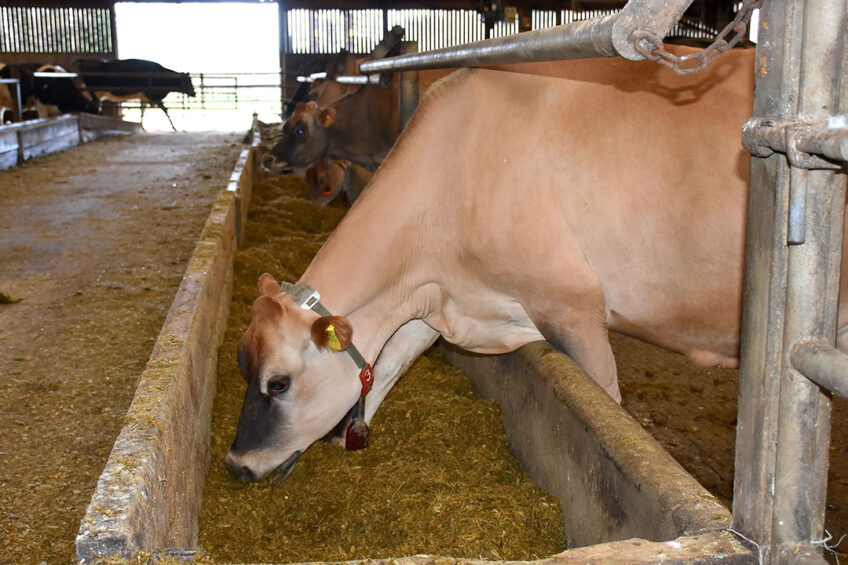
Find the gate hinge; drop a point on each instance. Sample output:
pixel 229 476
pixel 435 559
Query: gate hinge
pixel 807 145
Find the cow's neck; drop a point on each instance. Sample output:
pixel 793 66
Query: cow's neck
pixel 364 130
pixel 370 269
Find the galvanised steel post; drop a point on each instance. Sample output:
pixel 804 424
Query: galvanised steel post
pixel 794 235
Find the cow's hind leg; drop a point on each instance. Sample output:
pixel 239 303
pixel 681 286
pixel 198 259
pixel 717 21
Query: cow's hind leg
pixel 164 109
pixel 141 119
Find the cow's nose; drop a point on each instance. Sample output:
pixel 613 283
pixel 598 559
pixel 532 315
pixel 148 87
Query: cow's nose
pixel 240 471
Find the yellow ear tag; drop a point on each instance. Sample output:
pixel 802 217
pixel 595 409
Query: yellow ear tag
pixel 333 341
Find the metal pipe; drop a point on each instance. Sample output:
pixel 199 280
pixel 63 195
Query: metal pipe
pixel 822 364
pixel 44 74
pixel 342 79
pixel 590 38
pixel 605 36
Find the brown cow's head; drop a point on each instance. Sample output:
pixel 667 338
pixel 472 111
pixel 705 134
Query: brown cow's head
pixel 305 140
pixel 298 389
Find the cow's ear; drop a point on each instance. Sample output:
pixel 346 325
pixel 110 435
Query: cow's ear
pixel 334 332
pixel 268 286
pixel 327 116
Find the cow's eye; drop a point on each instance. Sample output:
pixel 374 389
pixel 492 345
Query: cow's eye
pixel 300 131
pixel 278 385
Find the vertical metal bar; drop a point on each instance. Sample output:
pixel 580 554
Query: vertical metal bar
pixel 790 292
pixel 35 31
pixel 283 47
pixel 385 22
pixel 814 268
pixel 408 88
pixel 68 30
pixel 113 33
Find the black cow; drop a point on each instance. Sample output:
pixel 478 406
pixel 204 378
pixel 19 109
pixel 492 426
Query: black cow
pixel 133 79
pixel 61 92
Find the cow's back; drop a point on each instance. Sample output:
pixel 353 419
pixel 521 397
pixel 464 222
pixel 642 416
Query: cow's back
pixel 611 173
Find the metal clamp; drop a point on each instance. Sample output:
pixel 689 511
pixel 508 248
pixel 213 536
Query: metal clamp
pixel 820 145
pixel 304 295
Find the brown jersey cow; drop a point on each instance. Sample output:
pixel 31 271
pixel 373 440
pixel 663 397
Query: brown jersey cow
pixel 553 200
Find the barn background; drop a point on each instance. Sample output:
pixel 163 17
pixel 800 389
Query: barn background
pixel 95 239
pixel 239 59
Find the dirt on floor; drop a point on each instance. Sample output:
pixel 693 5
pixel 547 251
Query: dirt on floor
pixel 93 243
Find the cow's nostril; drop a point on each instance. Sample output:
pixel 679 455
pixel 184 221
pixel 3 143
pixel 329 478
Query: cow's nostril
pixel 240 471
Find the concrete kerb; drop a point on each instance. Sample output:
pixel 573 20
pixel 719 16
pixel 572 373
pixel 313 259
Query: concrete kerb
pixel 149 493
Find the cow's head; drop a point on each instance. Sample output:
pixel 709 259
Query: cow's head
pixel 305 139
pixel 301 384
pixel 186 86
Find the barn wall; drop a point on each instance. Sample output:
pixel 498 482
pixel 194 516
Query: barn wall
pixel 56 35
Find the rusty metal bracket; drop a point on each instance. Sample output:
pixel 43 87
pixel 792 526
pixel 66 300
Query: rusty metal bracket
pixel 807 146
pixel 819 145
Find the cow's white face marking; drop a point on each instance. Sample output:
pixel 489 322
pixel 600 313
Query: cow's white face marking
pixel 298 389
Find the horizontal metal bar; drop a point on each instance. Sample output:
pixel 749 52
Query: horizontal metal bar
pixel 357 79
pixel 605 36
pixel 589 38
pixel 822 364
pixel 764 136
pixel 9 81
pixel 45 74
pixel 342 79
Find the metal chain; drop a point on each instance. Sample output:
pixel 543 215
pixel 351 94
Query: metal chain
pixel 651 47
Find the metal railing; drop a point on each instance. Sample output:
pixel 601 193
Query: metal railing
pixel 604 36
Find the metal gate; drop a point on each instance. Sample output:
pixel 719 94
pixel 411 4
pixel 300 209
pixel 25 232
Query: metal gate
pixel 799 142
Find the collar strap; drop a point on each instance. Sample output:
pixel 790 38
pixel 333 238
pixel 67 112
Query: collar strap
pixel 357 433
pixel 309 299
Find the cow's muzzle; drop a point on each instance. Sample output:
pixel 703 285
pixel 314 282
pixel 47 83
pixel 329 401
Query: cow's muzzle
pixel 270 163
pixel 245 473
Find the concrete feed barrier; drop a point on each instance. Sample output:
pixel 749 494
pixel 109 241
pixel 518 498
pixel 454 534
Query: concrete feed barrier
pixel 614 481
pixel 36 138
pixel 149 493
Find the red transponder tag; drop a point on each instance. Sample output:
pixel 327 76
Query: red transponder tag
pixel 356 436
pixel 366 377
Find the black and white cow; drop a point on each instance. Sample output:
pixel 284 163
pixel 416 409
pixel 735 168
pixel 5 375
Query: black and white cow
pixel 133 79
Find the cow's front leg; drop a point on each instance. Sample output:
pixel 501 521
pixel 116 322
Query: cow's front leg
pixel 583 336
pixel 401 351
